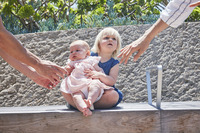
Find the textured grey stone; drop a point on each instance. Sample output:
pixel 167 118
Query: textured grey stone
pixel 177 50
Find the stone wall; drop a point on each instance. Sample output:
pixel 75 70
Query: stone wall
pixel 177 50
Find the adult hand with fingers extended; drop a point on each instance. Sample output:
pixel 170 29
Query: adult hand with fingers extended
pixel 141 44
pixel 138 46
pixel 166 19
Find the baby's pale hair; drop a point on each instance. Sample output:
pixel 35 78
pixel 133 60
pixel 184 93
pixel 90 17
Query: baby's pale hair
pixel 110 32
pixel 81 43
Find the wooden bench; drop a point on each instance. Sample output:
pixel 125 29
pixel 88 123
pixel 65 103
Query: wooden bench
pixel 173 117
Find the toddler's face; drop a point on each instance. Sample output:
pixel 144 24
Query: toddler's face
pixel 77 52
pixel 108 43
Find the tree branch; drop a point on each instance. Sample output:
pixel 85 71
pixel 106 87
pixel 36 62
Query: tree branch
pixel 130 13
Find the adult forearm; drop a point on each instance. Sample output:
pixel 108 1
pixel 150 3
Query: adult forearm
pixel 10 45
pixel 27 71
pixel 23 68
pixel 155 29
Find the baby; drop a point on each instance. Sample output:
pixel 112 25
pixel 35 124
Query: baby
pixel 84 90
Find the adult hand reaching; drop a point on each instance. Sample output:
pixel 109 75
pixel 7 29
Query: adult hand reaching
pixel 11 47
pixel 142 43
pixel 43 82
pixel 139 46
pixel 28 71
pixel 50 71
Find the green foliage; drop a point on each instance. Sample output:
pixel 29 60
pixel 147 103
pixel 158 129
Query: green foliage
pixel 15 27
pixel 64 25
pixel 47 25
pixel 195 15
pixel 138 9
pixel 37 17
pixel 140 2
pixel 94 21
pixel 26 11
pixel 22 16
pixel 7 9
pixel 11 2
pixel 118 7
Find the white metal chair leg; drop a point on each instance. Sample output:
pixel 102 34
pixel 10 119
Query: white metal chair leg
pixel 159 85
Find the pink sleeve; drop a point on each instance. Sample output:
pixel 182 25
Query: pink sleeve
pixel 70 63
pixel 96 59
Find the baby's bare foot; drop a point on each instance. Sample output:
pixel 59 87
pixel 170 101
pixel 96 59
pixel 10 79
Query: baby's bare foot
pixel 89 104
pixel 87 112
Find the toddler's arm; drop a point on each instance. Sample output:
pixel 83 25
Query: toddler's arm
pixel 112 77
pixel 98 69
pixel 109 80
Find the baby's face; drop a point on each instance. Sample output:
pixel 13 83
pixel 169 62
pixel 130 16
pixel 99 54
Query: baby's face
pixel 77 52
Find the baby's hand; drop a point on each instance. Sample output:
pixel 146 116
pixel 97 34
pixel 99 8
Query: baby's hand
pixel 69 69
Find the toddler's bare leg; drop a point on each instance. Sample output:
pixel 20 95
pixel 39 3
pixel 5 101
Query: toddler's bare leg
pixel 69 98
pixel 80 103
pixel 108 100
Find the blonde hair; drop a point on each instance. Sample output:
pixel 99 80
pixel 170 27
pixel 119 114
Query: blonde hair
pixel 111 32
pixel 82 43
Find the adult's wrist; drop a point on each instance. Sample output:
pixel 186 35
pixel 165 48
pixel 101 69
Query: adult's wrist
pixel 33 61
pixel 150 33
pixel 155 29
pixel 36 64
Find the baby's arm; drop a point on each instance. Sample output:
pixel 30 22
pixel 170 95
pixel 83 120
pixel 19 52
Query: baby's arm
pixel 69 69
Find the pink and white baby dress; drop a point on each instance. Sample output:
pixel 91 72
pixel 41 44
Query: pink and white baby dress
pixel 77 81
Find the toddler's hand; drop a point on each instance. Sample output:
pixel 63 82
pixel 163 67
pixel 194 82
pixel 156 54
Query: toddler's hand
pixel 92 74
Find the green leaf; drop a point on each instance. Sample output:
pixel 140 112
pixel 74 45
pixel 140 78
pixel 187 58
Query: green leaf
pixel 141 2
pixel 51 7
pixel 11 2
pixel 37 17
pixel 26 11
pixel 7 9
pixel 137 8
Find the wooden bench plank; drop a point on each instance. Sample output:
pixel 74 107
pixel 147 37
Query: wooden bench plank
pixel 126 118
pixel 180 121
